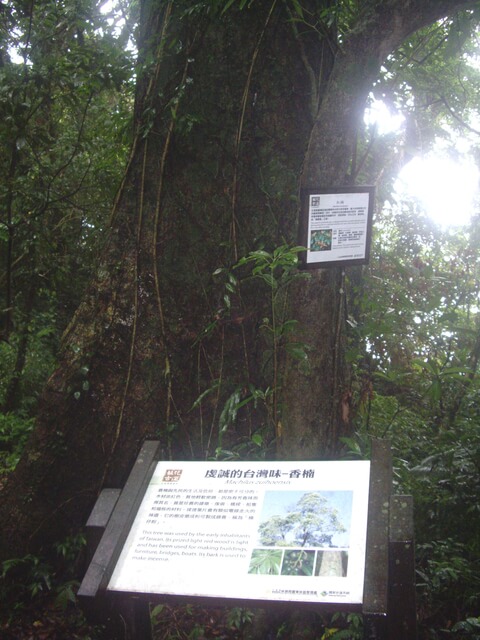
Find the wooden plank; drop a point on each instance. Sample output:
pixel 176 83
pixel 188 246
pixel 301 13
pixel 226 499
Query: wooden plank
pixel 103 508
pixel 103 563
pixel 99 518
pixel 375 597
pixel 402 618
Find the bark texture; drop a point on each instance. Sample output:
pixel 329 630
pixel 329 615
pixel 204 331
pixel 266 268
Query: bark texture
pixel 222 116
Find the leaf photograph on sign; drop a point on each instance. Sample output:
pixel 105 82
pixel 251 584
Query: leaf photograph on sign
pixel 266 561
pixel 321 240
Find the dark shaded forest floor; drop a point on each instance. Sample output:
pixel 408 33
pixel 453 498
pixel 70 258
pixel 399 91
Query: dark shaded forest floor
pixel 42 619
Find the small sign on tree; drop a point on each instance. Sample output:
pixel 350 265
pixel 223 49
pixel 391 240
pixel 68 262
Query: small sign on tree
pixel 335 226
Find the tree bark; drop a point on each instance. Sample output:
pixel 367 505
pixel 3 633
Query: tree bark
pixel 220 131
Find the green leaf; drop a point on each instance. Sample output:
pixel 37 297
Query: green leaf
pixel 227 6
pixel 229 411
pixel 297 350
pixel 157 610
pixel 257 439
pixel 204 394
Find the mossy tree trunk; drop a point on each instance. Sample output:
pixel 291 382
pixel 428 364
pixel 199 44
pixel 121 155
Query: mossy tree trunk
pixel 221 122
pixel 229 109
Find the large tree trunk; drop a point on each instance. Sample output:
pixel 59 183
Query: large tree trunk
pixel 222 117
pixel 223 122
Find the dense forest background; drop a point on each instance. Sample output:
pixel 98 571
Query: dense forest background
pixel 178 136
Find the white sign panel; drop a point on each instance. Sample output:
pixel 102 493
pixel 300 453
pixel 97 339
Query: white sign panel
pixel 293 531
pixel 338 229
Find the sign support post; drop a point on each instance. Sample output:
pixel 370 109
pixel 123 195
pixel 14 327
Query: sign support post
pixel 388 603
pixel 375 599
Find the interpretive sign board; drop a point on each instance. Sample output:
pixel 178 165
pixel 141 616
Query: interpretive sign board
pixel 336 226
pixel 288 531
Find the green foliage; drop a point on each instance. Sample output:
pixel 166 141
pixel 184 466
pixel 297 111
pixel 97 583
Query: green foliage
pixel 241 4
pixel 351 627
pixel 190 622
pixel 66 594
pixel 266 278
pixel 446 576
pixel 437 73
pixel 65 94
pixel 14 432
pixel 31 579
pixel 27 576
pixel 176 623
pixel 70 548
pixel 36 336
pixel 253 447
pixel 245 448
pixel 417 342
pixel 469 628
pixel 64 129
pixel 276 271
pixel 239 617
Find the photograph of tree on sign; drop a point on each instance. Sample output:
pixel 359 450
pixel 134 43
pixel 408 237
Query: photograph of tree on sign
pixel 302 522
